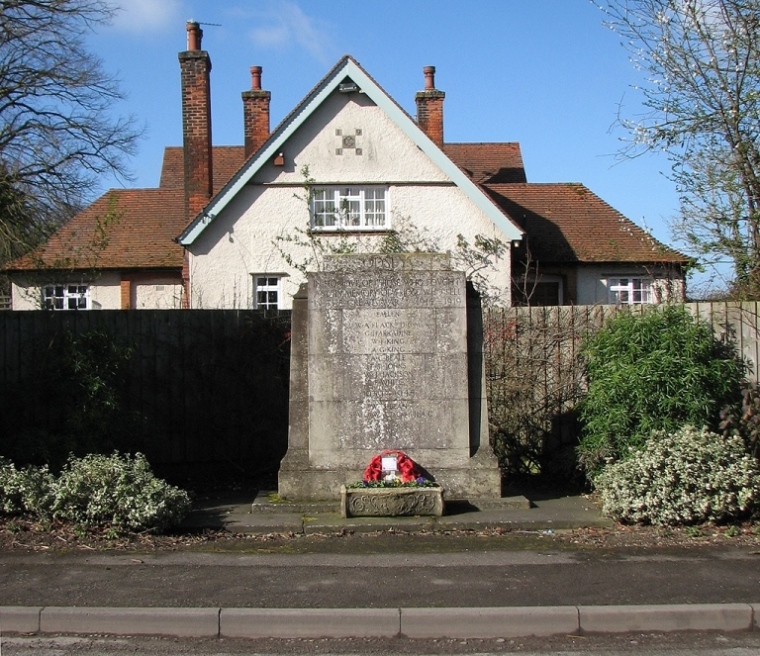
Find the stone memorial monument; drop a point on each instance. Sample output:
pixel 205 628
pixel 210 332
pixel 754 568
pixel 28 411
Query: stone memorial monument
pixel 386 353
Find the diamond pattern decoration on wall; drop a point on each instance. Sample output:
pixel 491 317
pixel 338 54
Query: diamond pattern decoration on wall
pixel 348 141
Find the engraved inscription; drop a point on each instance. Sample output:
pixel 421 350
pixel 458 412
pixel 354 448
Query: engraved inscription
pixel 388 333
pixel 391 330
pixel 389 290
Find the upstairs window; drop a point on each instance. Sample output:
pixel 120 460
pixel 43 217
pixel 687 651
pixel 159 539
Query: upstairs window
pixel 629 291
pixel 349 208
pixel 66 297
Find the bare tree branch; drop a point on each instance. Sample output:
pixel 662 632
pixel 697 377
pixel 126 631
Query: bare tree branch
pixel 702 94
pixel 58 132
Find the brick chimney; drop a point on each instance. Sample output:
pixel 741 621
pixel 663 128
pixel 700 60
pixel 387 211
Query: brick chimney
pixel 430 107
pixel 255 113
pixel 195 67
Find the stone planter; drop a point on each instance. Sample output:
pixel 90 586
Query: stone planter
pixel 391 502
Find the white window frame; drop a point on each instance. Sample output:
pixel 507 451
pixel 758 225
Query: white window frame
pixel 267 283
pixel 630 290
pixel 350 207
pixel 67 296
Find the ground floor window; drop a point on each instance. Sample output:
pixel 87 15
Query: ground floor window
pixel 266 292
pixel 66 297
pixel 538 293
pixel 629 291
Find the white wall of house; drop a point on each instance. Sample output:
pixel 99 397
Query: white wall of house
pixel 158 294
pixel 594 282
pixel 104 292
pixel 271 214
pixel 24 296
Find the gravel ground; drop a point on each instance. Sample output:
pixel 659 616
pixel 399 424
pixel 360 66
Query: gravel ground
pixel 19 534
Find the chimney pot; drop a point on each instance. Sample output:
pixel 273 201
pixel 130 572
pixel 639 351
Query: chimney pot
pixel 256 78
pixel 429 72
pixel 194 35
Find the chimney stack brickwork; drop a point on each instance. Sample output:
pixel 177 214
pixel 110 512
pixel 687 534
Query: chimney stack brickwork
pixel 195 70
pixel 195 67
pixel 255 113
pixel 430 108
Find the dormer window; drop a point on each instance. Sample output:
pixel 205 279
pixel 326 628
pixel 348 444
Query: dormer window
pixel 349 208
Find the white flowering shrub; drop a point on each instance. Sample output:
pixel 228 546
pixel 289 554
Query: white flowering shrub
pixel 689 476
pixel 119 491
pixel 24 491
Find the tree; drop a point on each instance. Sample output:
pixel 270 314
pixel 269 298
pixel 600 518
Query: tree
pixel 702 96
pixel 58 134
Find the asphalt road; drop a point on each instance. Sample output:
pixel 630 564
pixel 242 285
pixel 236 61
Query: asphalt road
pixel 329 580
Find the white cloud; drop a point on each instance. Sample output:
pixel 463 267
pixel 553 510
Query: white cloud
pixel 146 15
pixel 287 25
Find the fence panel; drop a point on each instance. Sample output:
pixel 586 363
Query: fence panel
pixel 535 377
pixel 206 389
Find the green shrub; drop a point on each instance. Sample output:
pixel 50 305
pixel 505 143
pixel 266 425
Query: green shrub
pixel 655 371
pixel 119 491
pixel 687 477
pixel 24 491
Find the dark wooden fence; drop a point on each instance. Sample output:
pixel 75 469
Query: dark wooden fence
pixel 200 391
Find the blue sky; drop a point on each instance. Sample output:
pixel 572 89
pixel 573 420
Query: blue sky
pixel 545 73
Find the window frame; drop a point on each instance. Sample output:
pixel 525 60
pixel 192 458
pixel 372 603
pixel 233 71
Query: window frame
pixel 80 295
pixel 641 287
pixel 267 288
pixel 531 283
pixel 369 204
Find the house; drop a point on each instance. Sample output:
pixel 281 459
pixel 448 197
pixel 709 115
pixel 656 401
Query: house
pixel 347 169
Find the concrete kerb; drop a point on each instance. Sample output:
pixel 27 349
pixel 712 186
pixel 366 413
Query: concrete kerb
pixel 181 622
pixel 667 618
pixel 20 619
pixel 309 623
pixel 487 622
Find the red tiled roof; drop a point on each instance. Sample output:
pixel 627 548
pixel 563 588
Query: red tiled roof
pixel 146 222
pixel 487 163
pixel 566 222
pixel 139 227
pixel 226 162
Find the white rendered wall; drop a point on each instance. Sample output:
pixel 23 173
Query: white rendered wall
pixel 592 288
pixel 247 236
pixel 159 294
pixel 105 293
